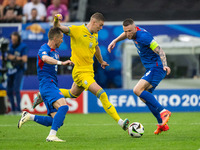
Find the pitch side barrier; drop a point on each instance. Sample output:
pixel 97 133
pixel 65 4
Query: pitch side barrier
pixel 177 100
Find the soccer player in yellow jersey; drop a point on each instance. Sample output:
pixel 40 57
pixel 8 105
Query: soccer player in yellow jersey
pixel 84 46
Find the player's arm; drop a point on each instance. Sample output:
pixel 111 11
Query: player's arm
pixel 56 23
pixel 99 57
pixel 158 50
pixel 113 43
pixel 52 61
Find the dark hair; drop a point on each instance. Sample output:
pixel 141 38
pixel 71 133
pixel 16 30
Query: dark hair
pixel 98 16
pixel 55 31
pixel 15 33
pixel 128 22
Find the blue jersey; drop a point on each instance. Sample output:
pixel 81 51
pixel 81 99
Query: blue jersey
pixel 20 51
pixel 44 70
pixel 143 43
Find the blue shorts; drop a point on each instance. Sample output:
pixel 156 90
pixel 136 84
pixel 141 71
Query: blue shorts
pixel 154 76
pixel 50 93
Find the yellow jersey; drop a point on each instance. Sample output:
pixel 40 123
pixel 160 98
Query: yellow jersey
pixel 83 44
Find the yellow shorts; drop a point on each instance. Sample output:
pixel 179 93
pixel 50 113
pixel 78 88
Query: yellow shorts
pixel 83 79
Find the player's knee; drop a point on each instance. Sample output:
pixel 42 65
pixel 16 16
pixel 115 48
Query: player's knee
pixel 136 91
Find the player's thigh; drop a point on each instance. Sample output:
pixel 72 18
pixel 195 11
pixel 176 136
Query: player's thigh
pixel 141 86
pixel 60 102
pixel 76 90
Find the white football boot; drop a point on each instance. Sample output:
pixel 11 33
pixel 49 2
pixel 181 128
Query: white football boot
pixel 25 117
pixel 54 138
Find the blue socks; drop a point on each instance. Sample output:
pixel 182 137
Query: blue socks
pixel 153 105
pixel 154 112
pixel 148 97
pixel 43 120
pixel 59 117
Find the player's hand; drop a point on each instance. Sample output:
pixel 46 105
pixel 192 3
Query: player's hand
pixel 111 46
pixel 166 68
pixel 57 17
pixel 67 62
pixel 104 64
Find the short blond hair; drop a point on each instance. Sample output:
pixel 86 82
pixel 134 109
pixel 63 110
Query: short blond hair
pixel 98 16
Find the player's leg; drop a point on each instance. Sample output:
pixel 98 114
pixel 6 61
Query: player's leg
pixel 74 92
pixel 108 107
pixel 43 120
pixel 17 84
pixel 10 91
pixel 58 119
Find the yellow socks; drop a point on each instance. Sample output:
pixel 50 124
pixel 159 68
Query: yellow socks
pixel 108 107
pixel 67 94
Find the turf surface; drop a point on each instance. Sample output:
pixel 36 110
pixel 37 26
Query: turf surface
pixel 100 131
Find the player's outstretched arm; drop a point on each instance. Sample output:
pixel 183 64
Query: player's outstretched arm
pixel 52 61
pixel 99 58
pixel 158 50
pixel 113 43
pixel 56 23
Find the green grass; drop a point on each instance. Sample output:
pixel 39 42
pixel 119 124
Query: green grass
pixel 100 131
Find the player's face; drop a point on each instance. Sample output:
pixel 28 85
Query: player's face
pixel 98 25
pixel 130 31
pixel 58 40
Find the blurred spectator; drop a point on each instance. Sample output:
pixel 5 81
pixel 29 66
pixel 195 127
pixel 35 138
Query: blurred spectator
pixel 20 3
pixel 41 10
pixel 46 2
pixel 57 8
pixel 17 55
pixel 12 13
pixel 34 15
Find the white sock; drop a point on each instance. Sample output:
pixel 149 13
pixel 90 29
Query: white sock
pixel 162 110
pixel 32 117
pixel 120 122
pixel 52 132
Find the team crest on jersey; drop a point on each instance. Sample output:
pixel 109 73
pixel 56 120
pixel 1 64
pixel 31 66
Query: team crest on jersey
pixel 91 37
pixel 90 46
pixel 44 52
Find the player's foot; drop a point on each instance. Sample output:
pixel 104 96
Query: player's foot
pixel 25 117
pixel 165 116
pixel 37 100
pixel 125 124
pixel 54 138
pixel 161 128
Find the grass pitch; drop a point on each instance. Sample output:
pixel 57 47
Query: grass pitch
pixel 100 131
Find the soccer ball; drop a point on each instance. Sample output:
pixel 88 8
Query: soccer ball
pixel 136 130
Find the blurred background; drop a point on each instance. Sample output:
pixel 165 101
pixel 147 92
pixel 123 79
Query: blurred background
pixel 174 24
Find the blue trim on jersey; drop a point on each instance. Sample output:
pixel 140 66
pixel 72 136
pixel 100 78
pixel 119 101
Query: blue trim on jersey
pixel 99 93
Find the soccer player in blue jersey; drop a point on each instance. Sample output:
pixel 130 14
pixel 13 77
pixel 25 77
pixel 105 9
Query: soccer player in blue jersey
pixel 154 60
pixel 47 65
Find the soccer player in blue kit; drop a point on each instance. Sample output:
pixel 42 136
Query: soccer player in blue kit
pixel 47 65
pixel 154 60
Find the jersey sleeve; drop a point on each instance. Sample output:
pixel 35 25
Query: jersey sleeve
pixel 73 30
pixel 148 40
pixel 43 52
